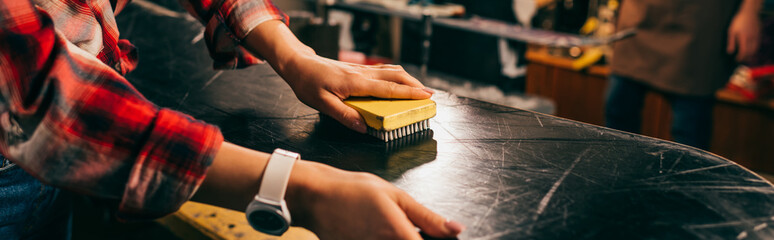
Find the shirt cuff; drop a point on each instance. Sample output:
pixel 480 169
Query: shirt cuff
pixel 242 16
pixel 170 166
pixel 226 30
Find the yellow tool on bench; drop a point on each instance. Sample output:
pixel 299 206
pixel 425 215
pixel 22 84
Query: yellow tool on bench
pixel 389 119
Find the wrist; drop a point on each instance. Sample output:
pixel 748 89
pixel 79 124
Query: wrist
pixel 301 189
pixel 273 41
pixel 289 64
pixel 750 8
pixel 268 211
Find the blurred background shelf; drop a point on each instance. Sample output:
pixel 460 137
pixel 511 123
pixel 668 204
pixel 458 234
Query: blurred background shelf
pixel 743 131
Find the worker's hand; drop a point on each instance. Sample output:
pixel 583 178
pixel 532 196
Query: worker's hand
pixel 323 83
pixel 336 204
pixel 744 35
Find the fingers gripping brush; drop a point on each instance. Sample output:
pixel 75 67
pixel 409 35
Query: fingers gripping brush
pixel 390 119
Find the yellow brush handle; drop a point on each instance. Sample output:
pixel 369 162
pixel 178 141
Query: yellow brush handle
pixel 390 114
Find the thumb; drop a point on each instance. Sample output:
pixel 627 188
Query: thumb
pixel 429 222
pixel 334 107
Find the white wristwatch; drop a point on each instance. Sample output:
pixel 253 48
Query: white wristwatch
pixel 268 212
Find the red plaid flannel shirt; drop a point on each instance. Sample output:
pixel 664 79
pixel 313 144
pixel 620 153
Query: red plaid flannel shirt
pixel 69 118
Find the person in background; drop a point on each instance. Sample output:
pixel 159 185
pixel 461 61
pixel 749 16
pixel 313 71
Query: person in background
pixel 684 49
pixel 70 120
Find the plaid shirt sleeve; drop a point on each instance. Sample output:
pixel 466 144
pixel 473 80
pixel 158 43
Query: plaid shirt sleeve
pixel 227 23
pixel 73 122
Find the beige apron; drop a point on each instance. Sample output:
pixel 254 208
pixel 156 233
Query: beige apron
pixel 680 46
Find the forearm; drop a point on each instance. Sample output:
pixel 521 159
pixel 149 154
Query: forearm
pixel 235 177
pixel 274 41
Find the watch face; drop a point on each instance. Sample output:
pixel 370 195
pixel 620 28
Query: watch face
pixel 267 221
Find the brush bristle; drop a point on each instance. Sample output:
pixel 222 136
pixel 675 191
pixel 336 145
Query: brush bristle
pixel 400 132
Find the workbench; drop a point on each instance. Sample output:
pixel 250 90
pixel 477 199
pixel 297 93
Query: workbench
pixel 505 173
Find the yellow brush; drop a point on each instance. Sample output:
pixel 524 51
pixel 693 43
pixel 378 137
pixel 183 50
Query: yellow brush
pixel 393 119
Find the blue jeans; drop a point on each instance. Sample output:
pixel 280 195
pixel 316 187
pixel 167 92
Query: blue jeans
pixel 30 209
pixel 691 115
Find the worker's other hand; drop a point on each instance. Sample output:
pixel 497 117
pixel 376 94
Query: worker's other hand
pixel 337 204
pixel 323 83
pixel 744 35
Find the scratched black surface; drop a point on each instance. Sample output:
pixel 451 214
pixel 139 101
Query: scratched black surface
pixel 503 172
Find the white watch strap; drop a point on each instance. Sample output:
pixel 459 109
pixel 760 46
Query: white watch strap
pixel 276 175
